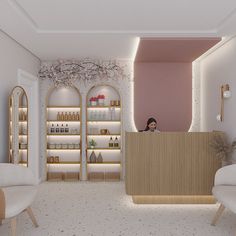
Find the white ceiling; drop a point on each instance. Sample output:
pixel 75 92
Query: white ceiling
pixel 109 29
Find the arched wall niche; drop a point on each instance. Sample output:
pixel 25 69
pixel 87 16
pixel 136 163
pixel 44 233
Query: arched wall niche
pixel 63 133
pixel 18 126
pixel 106 117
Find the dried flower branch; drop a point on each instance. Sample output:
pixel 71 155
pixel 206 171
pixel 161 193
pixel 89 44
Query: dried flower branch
pixel 65 73
pixel 222 147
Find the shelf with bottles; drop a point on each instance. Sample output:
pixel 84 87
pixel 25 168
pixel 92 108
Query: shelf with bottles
pixel 110 114
pixel 63 129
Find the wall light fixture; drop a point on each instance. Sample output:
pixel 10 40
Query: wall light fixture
pixel 224 94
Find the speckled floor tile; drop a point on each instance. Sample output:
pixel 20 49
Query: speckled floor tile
pixel 98 209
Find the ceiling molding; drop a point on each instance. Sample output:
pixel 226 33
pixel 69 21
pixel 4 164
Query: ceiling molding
pixel 24 14
pixel 157 33
pixel 225 20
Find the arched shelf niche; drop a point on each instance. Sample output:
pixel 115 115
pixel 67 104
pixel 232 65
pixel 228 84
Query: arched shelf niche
pixel 104 129
pixel 63 134
pixel 18 127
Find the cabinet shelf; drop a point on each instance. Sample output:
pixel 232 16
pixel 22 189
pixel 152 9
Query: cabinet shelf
pixel 90 149
pixel 63 163
pixel 103 134
pixel 64 149
pixel 94 107
pixel 105 163
pixel 65 121
pixel 63 134
pixel 103 121
pixel 64 107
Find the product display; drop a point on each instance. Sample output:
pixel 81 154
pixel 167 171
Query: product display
pixel 92 158
pixel 68 116
pixel 62 129
pixel 97 101
pixel 99 158
pixel 53 159
pixel 111 143
pixel 116 143
pixel 63 146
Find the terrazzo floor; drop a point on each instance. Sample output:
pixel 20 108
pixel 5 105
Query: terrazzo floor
pixel 97 209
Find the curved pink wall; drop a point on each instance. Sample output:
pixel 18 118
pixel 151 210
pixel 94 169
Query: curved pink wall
pixel 163 91
pixel 163 80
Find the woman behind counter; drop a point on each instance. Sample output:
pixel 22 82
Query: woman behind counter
pixel 151 125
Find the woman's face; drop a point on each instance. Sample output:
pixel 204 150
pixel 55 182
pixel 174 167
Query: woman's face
pixel 152 126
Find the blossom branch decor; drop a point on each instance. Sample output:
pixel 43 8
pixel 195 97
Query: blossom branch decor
pixel 65 73
pixel 222 147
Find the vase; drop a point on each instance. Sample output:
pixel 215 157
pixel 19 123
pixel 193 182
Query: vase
pixel 99 158
pixel 92 158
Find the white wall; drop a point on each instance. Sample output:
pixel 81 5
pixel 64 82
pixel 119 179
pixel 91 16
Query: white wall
pixel 217 69
pixel 12 57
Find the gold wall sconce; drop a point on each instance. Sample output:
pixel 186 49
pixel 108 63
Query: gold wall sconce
pixel 224 94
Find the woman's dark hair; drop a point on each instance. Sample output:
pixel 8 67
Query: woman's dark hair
pixel 149 121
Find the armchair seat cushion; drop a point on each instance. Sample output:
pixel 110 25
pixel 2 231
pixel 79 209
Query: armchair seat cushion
pixel 18 198
pixel 226 195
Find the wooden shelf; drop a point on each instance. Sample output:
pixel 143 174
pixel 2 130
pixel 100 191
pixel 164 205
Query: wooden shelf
pixel 63 163
pixel 103 134
pixel 103 106
pixel 64 107
pixel 105 162
pixel 63 121
pixel 64 149
pixel 63 134
pixel 90 149
pixel 104 121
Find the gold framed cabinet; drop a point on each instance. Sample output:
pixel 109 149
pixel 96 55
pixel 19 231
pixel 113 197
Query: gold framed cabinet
pixel 63 134
pixel 103 134
pixel 18 126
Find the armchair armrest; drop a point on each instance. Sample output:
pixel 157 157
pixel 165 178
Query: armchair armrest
pixel 14 175
pixel 226 175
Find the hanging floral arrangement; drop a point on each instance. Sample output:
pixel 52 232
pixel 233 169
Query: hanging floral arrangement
pixel 65 73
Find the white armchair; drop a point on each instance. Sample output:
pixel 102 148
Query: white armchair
pixel 224 190
pixel 18 189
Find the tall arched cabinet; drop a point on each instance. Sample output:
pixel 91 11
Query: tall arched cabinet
pixel 18 126
pixel 63 134
pixel 104 126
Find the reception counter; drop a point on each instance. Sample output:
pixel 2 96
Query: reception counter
pixel 173 167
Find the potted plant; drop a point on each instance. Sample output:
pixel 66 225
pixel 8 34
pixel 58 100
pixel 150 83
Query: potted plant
pixel 92 143
pixel 223 149
pixel 101 100
pixel 93 101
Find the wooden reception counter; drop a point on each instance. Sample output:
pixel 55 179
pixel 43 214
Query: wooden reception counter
pixel 170 167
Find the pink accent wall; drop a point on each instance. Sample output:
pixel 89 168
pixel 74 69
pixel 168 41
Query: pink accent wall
pixel 163 91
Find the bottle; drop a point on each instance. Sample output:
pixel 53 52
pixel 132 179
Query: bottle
pixel 77 115
pixel 73 116
pixel 111 144
pixel 58 116
pixel 62 116
pixel 57 129
pixel 116 143
pixel 62 130
pixel 67 129
pixel 69 116
pixel 52 130
pixel 65 116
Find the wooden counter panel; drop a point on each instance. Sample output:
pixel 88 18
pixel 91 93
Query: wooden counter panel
pixel 170 163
